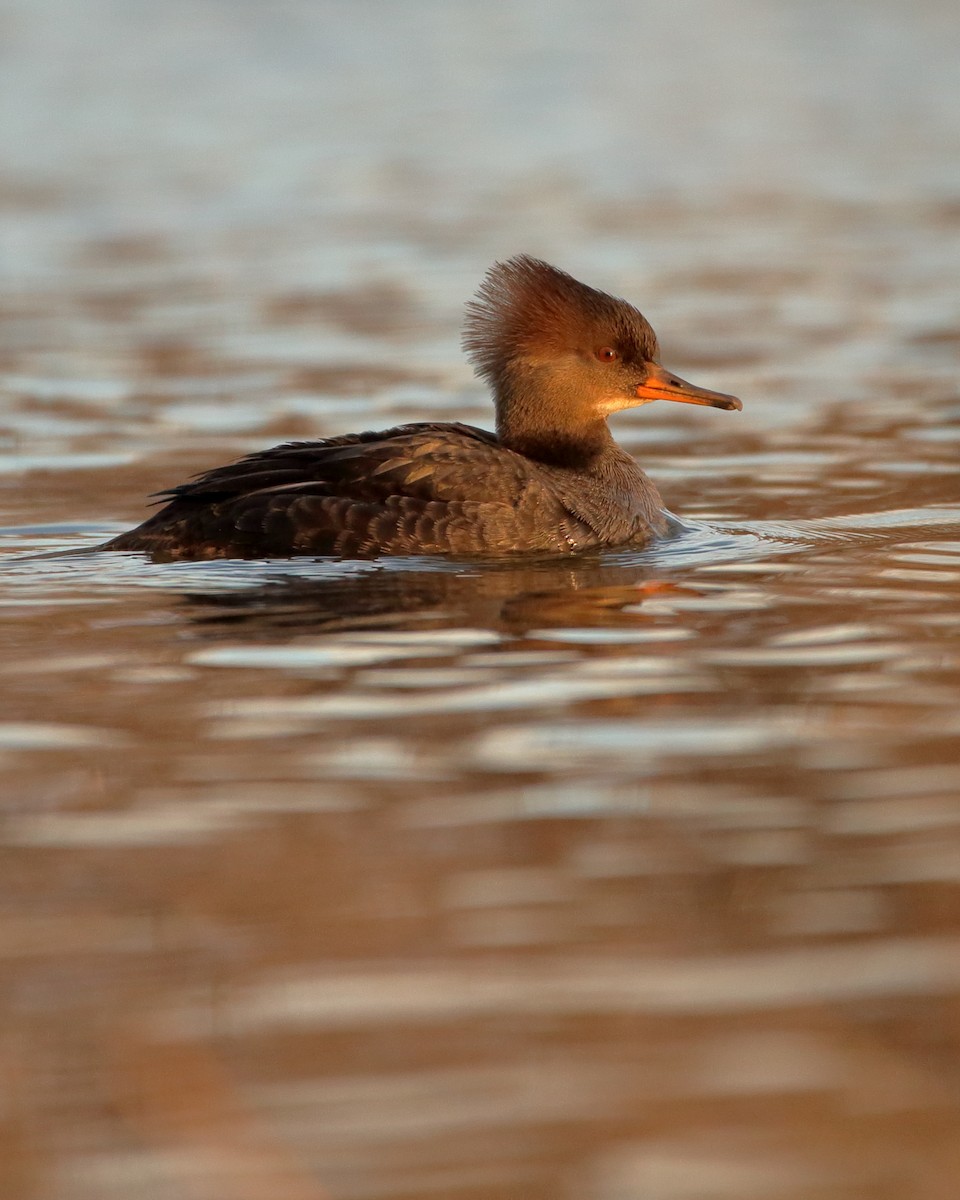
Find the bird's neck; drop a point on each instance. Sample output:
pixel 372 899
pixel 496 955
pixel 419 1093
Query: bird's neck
pixel 549 422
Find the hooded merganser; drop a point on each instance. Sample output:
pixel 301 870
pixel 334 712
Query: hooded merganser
pixel 559 356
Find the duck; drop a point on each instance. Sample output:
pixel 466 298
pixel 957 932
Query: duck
pixel 560 357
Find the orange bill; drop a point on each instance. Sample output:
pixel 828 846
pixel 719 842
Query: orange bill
pixel 661 384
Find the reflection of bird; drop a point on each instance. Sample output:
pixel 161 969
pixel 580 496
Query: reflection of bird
pixel 512 596
pixel 559 356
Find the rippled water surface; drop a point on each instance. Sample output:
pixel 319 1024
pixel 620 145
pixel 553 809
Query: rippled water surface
pixel 634 877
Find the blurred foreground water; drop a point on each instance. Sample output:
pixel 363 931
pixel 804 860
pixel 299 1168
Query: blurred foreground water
pixel 626 878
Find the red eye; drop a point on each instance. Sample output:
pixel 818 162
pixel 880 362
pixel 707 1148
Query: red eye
pixel 607 354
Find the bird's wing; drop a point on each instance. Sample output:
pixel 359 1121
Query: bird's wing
pixel 415 488
pixel 379 462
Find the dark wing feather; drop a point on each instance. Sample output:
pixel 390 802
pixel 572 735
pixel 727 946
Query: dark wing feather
pixel 421 488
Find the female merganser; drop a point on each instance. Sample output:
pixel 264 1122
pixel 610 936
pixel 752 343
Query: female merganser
pixel 559 356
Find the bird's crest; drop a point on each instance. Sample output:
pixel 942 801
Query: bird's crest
pixel 527 308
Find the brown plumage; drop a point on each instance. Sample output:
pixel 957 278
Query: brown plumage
pixel 559 357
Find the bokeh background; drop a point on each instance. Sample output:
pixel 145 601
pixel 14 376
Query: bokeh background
pixel 636 877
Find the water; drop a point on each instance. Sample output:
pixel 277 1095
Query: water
pixel 629 876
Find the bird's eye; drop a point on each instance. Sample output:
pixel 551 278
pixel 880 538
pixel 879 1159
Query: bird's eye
pixel 607 354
